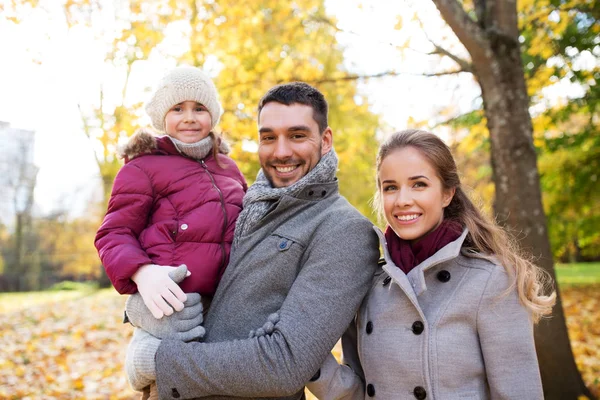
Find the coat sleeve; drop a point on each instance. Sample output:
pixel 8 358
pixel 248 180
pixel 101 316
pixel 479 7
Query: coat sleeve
pixel 341 382
pixel 322 301
pixel 117 238
pixel 506 336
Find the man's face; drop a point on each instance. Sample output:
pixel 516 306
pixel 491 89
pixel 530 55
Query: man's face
pixel 289 142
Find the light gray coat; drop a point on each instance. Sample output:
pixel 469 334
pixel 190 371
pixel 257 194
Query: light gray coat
pixel 310 259
pixel 476 342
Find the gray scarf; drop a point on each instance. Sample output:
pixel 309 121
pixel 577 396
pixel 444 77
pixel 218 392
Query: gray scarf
pixel 261 195
pixel 197 150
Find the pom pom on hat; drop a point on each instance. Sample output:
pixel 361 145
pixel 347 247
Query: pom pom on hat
pixel 183 84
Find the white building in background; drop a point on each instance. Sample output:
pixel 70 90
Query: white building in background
pixel 17 172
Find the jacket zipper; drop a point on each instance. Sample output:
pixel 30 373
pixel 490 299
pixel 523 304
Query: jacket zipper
pixel 212 179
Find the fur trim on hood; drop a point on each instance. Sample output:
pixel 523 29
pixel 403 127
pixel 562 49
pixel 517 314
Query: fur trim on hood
pixel 145 141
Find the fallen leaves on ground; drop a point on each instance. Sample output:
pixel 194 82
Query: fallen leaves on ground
pixel 71 349
pixel 74 348
pixel 581 305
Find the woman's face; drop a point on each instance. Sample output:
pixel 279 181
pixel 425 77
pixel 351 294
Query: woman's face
pixel 412 194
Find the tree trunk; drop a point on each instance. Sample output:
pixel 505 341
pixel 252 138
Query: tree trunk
pixel 493 44
pixel 518 204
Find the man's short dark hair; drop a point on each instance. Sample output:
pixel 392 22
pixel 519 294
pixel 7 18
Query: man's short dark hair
pixel 300 93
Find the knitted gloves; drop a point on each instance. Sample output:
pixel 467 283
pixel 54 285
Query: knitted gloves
pixel 139 360
pixel 184 325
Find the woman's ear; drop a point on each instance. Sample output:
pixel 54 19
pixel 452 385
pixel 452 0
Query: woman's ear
pixel 447 196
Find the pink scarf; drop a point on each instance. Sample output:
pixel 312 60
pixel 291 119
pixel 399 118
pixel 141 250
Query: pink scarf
pixel 407 256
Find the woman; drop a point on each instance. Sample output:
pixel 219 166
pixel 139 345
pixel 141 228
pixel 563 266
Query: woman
pixel 450 314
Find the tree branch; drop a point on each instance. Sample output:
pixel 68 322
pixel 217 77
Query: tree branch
pixel 464 65
pixel 468 31
pixel 351 77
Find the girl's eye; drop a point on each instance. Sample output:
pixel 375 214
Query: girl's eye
pixel 176 108
pixel 200 109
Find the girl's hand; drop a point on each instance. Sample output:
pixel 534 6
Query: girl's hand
pixel 160 293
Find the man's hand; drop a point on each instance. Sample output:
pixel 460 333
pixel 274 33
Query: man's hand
pixel 139 361
pixel 184 325
pixel 160 292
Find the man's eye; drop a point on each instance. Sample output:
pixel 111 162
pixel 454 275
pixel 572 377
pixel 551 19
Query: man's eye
pixel 266 138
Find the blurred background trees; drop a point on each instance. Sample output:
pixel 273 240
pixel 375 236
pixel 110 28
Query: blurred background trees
pixel 249 48
pixel 543 55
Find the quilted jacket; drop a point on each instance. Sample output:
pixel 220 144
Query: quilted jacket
pixel 168 209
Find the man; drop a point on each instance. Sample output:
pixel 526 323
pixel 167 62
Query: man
pixel 301 262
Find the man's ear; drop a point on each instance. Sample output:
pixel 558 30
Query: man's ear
pixel 326 141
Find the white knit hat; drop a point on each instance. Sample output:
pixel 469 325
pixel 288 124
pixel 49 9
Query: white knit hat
pixel 183 84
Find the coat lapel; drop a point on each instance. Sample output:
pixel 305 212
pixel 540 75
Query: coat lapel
pixel 413 284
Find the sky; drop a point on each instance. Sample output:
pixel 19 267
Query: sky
pixel 46 70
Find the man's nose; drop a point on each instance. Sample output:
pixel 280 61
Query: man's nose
pixel 283 149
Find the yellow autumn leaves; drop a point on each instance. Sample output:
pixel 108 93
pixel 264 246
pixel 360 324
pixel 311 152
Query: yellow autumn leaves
pixel 73 346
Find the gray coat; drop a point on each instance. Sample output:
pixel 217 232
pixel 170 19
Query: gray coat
pixel 310 260
pixel 446 330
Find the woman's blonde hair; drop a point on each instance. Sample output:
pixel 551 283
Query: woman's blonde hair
pixel 485 237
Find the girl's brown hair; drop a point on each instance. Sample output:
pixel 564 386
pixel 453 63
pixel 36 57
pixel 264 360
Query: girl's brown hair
pixel 485 237
pixel 217 148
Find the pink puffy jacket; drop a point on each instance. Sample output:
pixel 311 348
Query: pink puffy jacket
pixel 167 209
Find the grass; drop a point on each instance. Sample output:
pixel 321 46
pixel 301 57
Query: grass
pixel 578 273
pixel 567 275
pixel 16 301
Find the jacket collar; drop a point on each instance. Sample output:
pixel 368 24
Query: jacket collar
pixel 144 141
pixel 413 283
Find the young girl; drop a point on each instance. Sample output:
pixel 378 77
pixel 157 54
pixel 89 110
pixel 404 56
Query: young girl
pixel 175 201
pixel 450 314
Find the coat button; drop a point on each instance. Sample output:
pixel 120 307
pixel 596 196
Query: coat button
pixel 418 327
pixel 369 328
pixel 175 393
pixel 387 280
pixel 443 276
pixel 420 393
pixel 184 227
pixel 370 390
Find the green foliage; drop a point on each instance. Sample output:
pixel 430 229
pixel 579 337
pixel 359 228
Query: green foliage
pixel 578 273
pixel 558 37
pixel 74 286
pixel 560 48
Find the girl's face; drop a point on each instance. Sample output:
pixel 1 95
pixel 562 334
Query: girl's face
pixel 412 194
pixel 188 121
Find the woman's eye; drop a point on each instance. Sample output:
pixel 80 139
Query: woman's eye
pixel 420 184
pixel 389 188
